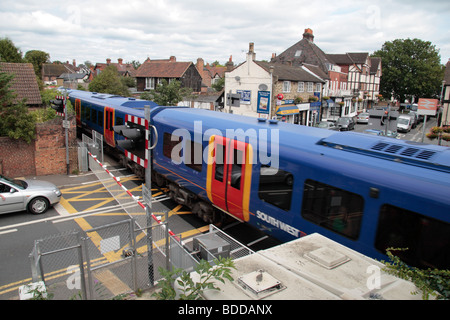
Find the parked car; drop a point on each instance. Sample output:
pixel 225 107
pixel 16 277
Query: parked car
pixel 374 132
pixel 392 134
pixel 33 195
pixel 345 123
pixel 418 117
pixel 327 125
pixel 415 119
pixel 363 117
pixel 404 123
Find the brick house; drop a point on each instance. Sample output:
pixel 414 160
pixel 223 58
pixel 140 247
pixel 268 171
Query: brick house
pixel 289 92
pixel 24 84
pixel 123 69
pixel 364 76
pixel 210 74
pixel 152 72
pixel 51 71
pixel 306 53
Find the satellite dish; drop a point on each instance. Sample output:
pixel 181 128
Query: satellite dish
pixel 237 78
pixel 263 87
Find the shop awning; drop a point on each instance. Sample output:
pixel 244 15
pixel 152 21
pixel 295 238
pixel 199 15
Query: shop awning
pixel 287 109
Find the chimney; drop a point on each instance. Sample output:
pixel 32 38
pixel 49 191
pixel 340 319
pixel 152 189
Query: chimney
pixel 120 60
pixel 200 64
pixel 74 63
pixel 308 35
pixel 108 61
pixel 173 59
pixel 230 64
pixel 251 50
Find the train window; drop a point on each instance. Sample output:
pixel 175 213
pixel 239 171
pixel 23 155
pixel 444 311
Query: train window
pixel 194 155
pixel 100 118
pixel 332 208
pixel 169 143
pixel 236 169
pixel 275 187
pixel 94 115
pixel 427 239
pixel 119 121
pixel 220 161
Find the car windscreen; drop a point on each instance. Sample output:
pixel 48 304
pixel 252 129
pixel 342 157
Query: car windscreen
pixel 20 184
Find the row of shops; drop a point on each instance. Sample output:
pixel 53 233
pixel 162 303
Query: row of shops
pixel 309 114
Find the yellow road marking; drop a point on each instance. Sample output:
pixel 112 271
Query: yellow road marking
pixel 112 256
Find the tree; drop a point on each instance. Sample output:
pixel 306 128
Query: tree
pixel 108 81
pixel 9 52
pixel 190 290
pixel 218 85
pixel 411 68
pixel 167 94
pixel 15 121
pixel 430 282
pixel 37 58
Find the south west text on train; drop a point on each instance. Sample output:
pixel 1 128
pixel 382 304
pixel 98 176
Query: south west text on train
pixel 366 192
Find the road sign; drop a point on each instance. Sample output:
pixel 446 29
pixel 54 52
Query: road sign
pixel 427 106
pixel 66 124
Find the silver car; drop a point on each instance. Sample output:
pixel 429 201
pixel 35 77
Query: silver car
pixel 33 195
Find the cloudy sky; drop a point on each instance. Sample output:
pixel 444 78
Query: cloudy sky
pixel 215 30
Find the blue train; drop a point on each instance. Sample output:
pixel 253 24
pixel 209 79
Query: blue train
pixel 366 192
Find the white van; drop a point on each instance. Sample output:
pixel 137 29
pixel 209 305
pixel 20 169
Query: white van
pixel 404 123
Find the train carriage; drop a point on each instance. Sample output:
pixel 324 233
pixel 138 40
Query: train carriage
pixel 366 192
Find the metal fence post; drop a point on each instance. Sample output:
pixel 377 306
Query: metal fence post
pixel 133 257
pixel 88 266
pixel 166 225
pixel 81 263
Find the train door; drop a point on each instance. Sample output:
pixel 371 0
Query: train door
pixel 108 126
pixel 78 111
pixel 229 176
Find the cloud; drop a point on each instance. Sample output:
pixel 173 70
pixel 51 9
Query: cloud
pixel 188 29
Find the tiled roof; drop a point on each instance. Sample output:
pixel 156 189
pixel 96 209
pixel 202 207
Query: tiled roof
pixel 54 69
pixel 359 57
pixel 349 58
pixel 289 73
pixel 340 59
pixel 122 68
pixel 24 83
pixel 447 73
pixel 374 64
pixel 304 51
pixel 162 69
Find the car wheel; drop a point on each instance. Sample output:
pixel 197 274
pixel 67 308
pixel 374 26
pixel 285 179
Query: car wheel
pixel 38 205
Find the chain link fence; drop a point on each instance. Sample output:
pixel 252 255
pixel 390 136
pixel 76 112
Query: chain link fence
pixel 109 261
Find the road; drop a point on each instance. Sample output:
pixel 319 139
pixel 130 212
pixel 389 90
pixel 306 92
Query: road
pixel 415 134
pixel 88 203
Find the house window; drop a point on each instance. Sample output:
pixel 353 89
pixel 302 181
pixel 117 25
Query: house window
pixel 301 87
pixel 310 87
pixel 318 87
pixel 149 83
pixel 286 86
